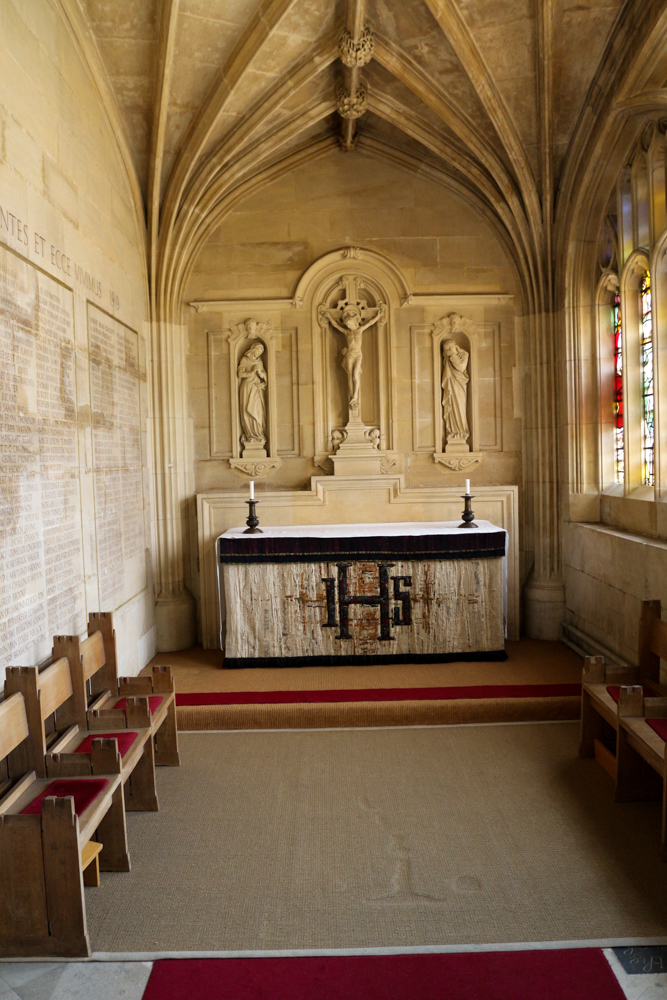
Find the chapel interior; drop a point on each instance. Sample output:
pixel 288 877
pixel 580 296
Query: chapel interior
pixel 348 254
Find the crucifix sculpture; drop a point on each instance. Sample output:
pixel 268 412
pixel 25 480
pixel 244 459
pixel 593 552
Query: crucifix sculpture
pixel 351 316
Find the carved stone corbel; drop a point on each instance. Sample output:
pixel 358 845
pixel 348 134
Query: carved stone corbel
pixel 256 469
pixel 459 463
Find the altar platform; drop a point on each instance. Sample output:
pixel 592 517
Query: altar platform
pixel 538 681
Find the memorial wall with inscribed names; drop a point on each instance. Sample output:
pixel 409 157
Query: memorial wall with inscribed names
pixel 46 511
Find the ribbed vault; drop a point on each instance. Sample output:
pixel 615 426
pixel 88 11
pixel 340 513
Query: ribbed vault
pixel 216 93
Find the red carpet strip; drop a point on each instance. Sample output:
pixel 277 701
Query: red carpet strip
pixel 570 974
pixel 380 694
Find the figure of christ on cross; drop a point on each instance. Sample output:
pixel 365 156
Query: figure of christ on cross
pixel 350 318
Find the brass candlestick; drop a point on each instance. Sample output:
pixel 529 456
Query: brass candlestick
pixel 253 520
pixel 467 515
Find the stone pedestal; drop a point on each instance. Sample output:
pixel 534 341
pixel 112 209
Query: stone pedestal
pixel 357 454
pixel 456 446
pixel 254 452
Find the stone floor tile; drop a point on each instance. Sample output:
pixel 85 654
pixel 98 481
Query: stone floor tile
pixel 103 981
pixel 641 986
pixel 6 992
pixel 41 985
pixel 18 973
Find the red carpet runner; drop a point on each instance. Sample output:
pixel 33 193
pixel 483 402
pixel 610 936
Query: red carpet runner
pixel 574 974
pixel 380 694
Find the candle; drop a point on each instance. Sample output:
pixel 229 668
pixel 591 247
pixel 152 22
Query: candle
pixel 467 486
pixel 252 489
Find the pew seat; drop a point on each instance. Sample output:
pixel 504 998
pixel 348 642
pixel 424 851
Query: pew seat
pixel 158 688
pixel 601 684
pixel 98 691
pixel 642 732
pixel 135 746
pixel 50 692
pixel 46 824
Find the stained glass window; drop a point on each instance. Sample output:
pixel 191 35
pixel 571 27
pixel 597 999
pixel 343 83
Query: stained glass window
pixel 619 443
pixel 648 426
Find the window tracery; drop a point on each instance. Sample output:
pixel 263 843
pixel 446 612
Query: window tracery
pixel 619 440
pixel 648 410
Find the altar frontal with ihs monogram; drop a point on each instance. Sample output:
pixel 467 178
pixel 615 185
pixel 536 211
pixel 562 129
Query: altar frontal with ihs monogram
pixel 304 600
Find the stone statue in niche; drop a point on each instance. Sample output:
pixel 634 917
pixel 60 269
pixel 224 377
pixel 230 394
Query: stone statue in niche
pixel 455 393
pixel 252 398
pixel 351 316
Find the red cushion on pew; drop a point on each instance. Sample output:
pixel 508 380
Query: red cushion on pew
pixel 614 691
pixel 125 741
pixel 153 702
pixel 659 726
pixel 83 790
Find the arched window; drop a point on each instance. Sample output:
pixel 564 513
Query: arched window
pixel 648 424
pixel 619 442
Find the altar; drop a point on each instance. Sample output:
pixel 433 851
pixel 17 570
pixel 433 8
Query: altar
pixel 362 594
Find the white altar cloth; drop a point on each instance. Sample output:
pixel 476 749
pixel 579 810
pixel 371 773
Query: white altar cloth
pixel 365 530
pixel 358 593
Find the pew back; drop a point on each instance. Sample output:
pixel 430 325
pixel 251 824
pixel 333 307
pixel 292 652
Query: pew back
pixel 55 686
pixel 13 724
pixel 652 641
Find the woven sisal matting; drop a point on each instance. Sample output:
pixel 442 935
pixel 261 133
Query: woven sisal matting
pixel 530 662
pixel 376 838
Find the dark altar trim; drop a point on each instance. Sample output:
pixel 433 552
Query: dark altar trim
pixel 454 545
pixel 238 662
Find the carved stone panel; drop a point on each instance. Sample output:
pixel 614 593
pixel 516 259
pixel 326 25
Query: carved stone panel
pixel 423 378
pixel 287 394
pixel 41 545
pixel 489 388
pixel 115 378
pixel 220 407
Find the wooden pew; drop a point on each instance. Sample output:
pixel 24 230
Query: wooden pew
pixel 599 713
pixel 42 908
pixel 98 692
pixel 45 693
pixel 638 741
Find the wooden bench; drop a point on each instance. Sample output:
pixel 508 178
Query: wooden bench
pixel 45 824
pixel 48 692
pixel 599 712
pixel 641 721
pixel 98 692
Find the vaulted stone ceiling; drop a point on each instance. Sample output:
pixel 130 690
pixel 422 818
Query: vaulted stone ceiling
pixel 485 93
pixel 435 62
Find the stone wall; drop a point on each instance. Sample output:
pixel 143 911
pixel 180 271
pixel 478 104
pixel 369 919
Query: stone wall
pixel 608 573
pixel 74 513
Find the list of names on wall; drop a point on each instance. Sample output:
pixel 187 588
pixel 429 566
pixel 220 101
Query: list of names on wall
pixel 115 384
pixel 41 550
